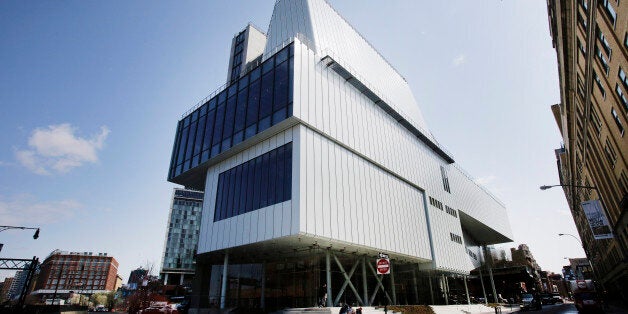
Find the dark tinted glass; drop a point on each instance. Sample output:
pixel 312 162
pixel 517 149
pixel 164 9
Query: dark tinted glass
pixel 212 103
pixel 266 100
pixel 268 65
pixel 255 74
pixel 184 139
pixel 280 173
pixel 281 86
pixel 236 194
pixel 245 108
pixel 253 106
pixel 209 128
pixel 220 118
pixel 222 96
pixel 231 198
pixel 240 114
pixel 199 135
pixel 190 146
pixel 243 189
pixel 281 56
pixel 250 186
pixel 263 202
pixel 219 194
pixel 287 181
pixel 175 151
pixel 257 183
pixel 229 118
pixel 272 175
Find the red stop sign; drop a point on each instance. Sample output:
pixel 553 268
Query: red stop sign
pixel 383 266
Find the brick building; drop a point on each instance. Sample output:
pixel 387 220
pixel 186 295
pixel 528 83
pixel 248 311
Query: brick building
pixel 591 41
pixel 79 272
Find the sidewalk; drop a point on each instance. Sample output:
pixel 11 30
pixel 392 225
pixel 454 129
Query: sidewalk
pixel 471 309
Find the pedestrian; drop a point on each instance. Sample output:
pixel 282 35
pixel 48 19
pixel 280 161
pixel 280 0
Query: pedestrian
pixel 323 293
pixel 344 308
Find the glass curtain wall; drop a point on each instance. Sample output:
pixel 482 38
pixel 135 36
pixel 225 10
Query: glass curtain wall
pixel 248 106
pixel 298 281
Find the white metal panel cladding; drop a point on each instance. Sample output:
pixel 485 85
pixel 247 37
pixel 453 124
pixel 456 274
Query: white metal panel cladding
pixel 329 33
pixel 326 103
pixel 348 199
pixel 273 221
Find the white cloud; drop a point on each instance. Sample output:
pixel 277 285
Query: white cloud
pixel 459 60
pixel 57 149
pixel 26 210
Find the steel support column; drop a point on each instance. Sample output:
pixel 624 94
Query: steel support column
pixel 347 281
pixel 466 290
pixel 416 288
pixel 490 272
pixel 328 273
pixel 393 288
pixel 262 300
pixel 225 278
pixel 365 290
pixel 482 283
pixel 443 285
pixel 431 288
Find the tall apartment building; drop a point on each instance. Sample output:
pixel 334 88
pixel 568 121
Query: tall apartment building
pixel 184 224
pixel 315 161
pixel 17 285
pixel 591 41
pixel 6 288
pixel 80 272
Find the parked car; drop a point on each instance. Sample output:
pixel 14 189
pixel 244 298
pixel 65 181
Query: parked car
pixel 530 301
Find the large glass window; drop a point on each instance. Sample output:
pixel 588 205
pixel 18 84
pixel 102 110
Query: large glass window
pixel 251 104
pixel 610 12
pixel 602 59
pixel 605 45
pixel 217 138
pixel 620 126
pixel 257 183
pixel 622 97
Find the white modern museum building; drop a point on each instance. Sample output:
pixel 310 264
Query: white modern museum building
pixel 314 160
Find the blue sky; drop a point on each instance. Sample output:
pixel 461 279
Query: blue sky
pixel 90 93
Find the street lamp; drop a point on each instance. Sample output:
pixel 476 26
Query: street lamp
pixel 585 252
pixel 573 236
pixel 35 236
pixel 545 187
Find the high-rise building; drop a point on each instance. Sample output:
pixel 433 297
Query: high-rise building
pixel 17 285
pixel 6 288
pixel 591 41
pixel 316 163
pixel 79 272
pixel 184 226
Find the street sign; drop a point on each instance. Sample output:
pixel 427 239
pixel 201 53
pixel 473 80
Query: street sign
pixel 383 266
